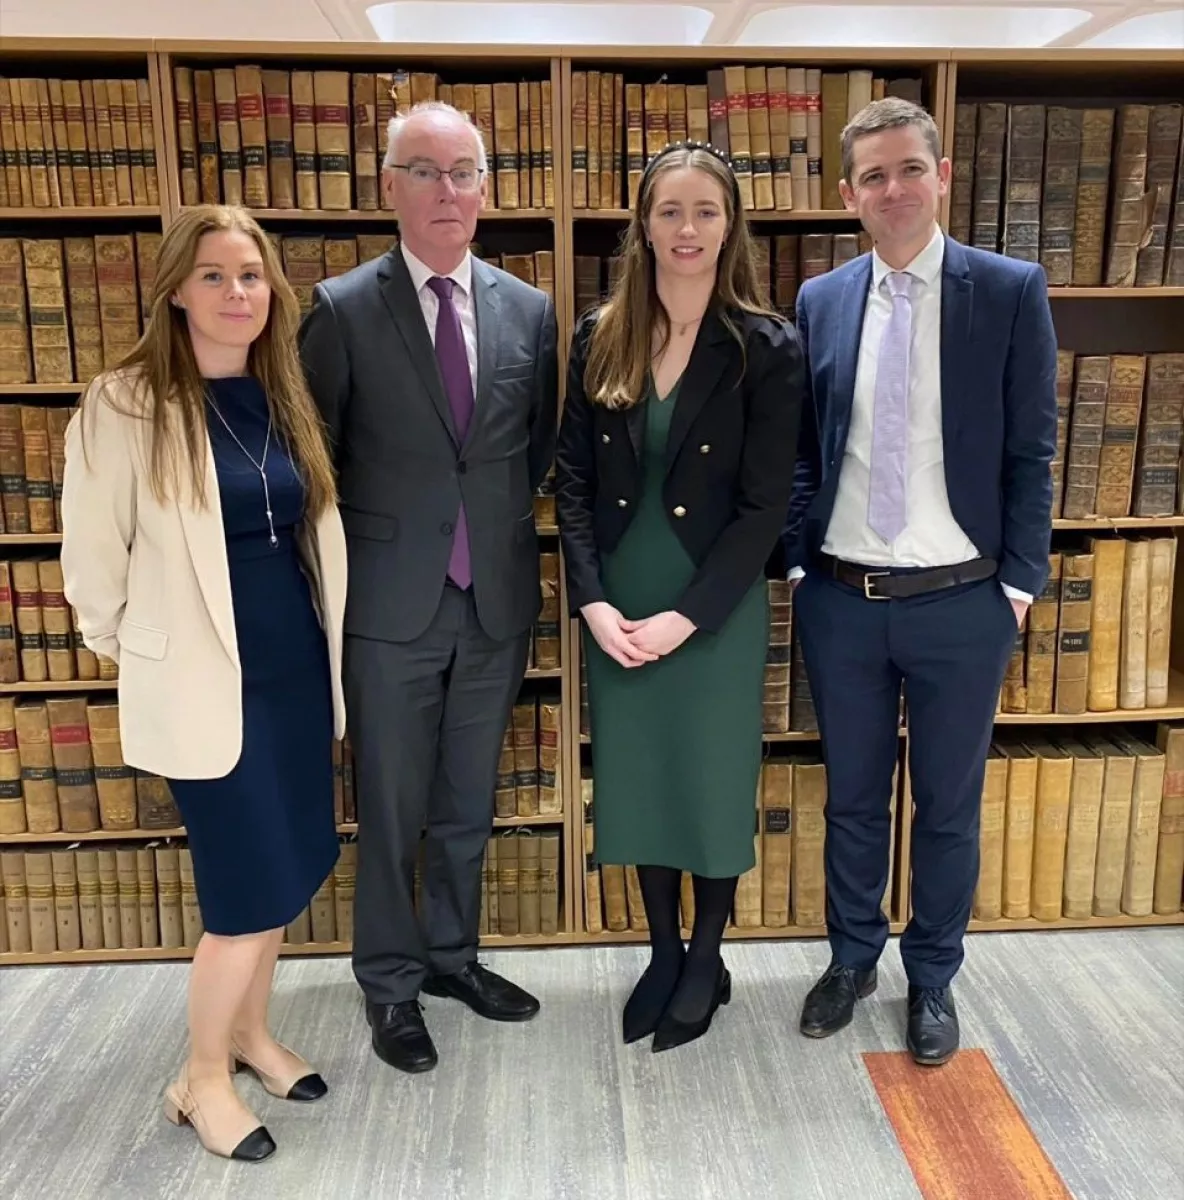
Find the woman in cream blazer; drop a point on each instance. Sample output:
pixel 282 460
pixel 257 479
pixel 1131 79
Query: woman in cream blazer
pixel 203 552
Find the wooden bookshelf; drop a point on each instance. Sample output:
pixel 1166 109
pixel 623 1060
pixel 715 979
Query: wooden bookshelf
pixel 1089 320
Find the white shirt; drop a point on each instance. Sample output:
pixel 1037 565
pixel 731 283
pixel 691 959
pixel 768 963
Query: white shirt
pixel 462 298
pixel 931 537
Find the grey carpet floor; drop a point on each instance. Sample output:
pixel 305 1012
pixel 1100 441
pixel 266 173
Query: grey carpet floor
pixel 1085 1029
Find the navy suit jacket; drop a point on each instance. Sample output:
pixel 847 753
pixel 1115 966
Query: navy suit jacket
pixel 998 405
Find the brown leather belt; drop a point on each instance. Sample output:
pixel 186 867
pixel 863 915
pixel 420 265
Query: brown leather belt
pixel 878 584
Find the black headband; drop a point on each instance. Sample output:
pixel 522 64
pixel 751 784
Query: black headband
pixel 693 145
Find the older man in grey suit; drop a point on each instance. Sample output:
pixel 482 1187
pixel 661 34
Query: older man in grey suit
pixel 437 378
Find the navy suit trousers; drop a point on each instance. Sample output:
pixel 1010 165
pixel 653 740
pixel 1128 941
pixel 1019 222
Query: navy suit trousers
pixel 949 650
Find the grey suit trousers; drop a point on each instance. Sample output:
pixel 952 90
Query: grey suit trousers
pixel 427 718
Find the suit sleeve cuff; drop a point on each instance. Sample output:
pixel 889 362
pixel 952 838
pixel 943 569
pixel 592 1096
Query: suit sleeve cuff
pixel 796 573
pixel 1015 593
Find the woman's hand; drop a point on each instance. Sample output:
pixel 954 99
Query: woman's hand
pixel 660 634
pixel 608 628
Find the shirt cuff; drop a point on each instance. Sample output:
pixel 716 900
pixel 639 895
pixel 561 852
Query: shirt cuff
pixel 1015 593
pixel 796 573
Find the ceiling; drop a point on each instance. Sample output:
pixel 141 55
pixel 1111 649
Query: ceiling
pixel 1119 24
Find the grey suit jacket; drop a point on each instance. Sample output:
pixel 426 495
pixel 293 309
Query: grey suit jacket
pixel 402 472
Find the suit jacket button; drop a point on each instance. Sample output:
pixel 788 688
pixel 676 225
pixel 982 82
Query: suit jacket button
pixel 446 528
pixel 605 438
pixel 680 511
pixel 704 448
pixel 622 502
pixel 462 467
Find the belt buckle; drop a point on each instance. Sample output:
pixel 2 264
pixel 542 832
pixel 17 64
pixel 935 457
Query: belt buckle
pixel 868 576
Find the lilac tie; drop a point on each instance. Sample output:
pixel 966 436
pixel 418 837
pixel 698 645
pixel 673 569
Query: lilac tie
pixel 890 423
pixel 458 385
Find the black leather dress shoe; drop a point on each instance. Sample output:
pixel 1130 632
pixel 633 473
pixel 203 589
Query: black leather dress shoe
pixel 399 1036
pixel 486 993
pixel 830 1003
pixel 933 1026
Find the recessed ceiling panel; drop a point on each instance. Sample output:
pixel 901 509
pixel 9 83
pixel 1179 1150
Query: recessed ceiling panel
pixel 909 25
pixel 541 24
pixel 1152 31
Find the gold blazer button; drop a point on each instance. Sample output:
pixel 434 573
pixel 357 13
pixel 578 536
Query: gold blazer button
pixel 605 438
pixel 705 448
pixel 680 511
pixel 622 502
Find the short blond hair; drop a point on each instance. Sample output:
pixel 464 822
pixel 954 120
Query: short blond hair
pixel 890 113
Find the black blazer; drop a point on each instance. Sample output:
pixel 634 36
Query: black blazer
pixel 729 463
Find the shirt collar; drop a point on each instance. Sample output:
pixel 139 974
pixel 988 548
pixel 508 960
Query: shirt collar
pixel 926 266
pixel 420 272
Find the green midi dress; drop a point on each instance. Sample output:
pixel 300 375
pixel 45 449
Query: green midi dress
pixel 676 743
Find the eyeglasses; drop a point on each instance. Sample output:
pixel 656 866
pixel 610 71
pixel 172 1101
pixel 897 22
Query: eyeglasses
pixel 424 175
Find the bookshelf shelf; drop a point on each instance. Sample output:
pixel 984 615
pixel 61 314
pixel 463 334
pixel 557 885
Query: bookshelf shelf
pixel 30 539
pixel 545 673
pixel 60 685
pixel 40 389
pixel 98 212
pixel 1116 293
pixel 95 835
pixel 358 216
pixel 1102 524
pixel 760 217
pixel 1174 711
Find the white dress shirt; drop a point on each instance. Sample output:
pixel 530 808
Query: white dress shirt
pixel 931 536
pixel 462 298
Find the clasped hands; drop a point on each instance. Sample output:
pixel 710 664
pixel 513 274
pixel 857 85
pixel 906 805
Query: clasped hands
pixel 634 643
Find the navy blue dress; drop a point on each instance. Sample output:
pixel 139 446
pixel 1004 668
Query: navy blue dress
pixel 263 838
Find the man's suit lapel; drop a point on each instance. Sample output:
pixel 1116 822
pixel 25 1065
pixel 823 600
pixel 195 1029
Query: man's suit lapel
pixel 487 303
pixel 709 357
pixel 957 312
pixel 399 293
pixel 850 334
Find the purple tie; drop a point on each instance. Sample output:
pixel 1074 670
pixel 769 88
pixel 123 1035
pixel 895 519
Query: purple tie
pixel 458 384
pixel 890 422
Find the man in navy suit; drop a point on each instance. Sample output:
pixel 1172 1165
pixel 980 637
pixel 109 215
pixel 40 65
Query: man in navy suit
pixel 918 534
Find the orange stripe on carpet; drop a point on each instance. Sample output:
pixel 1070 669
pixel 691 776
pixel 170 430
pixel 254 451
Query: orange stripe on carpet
pixel 961 1131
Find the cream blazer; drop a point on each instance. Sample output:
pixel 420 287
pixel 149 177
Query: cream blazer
pixel 151 586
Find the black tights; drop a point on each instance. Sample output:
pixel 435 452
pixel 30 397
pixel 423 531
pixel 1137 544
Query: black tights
pixel 696 985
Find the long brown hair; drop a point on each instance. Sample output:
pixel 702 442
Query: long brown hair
pixel 622 341
pixel 167 385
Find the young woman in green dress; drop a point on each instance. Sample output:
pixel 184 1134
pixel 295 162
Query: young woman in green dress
pixel 675 463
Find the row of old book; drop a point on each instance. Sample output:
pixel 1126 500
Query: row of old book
pixel 1098 637
pixel 85 143
pixel 74 306
pixel 133 897
pixel 144 896
pixel 32 466
pixel 1082 822
pixel 40 641
pixel 39 637
pixel 316 139
pixel 786 887
pixel 521 876
pixel 1120 428
pixel 62 769
pixel 783 262
pixel 71 306
pixel 1088 191
pixel 779 125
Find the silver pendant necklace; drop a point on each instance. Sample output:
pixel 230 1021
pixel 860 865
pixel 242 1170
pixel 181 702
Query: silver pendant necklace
pixel 259 466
